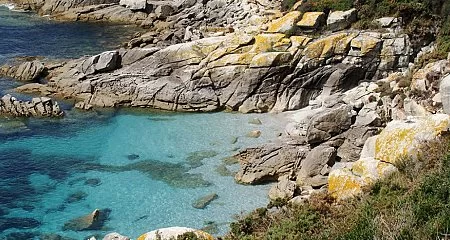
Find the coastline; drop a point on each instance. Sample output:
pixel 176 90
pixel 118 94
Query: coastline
pixel 329 89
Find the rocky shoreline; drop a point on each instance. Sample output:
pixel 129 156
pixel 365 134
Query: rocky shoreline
pixel 341 88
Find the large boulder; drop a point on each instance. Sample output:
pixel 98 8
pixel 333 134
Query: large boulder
pixel 312 20
pixel 268 162
pixel 175 233
pixel 339 20
pixel 283 189
pixel 285 24
pixel 350 180
pixel 26 71
pixel 400 141
pixel 329 123
pixel 92 221
pixel 37 107
pixel 315 161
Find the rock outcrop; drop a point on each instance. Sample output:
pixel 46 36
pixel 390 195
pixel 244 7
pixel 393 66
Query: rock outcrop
pixel 174 233
pixel 26 71
pixel 92 221
pixel 269 71
pixel 400 141
pixel 37 107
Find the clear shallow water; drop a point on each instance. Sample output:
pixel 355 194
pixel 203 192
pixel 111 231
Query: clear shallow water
pixel 147 168
pixel 46 162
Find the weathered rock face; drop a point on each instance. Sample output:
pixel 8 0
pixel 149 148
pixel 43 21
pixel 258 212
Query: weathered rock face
pixel 38 107
pixel 26 71
pixel 329 123
pixel 399 141
pixel 268 162
pixel 173 233
pixel 238 71
pixel 339 20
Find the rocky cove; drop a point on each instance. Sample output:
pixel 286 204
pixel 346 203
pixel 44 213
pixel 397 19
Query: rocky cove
pixel 337 86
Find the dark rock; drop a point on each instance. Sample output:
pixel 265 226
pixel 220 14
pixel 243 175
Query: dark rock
pixel 20 236
pixel 93 182
pixel 76 197
pixel 18 223
pixel 132 156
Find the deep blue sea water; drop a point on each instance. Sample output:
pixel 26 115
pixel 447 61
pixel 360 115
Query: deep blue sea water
pixel 147 168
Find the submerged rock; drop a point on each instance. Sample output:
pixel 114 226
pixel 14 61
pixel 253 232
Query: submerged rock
pixel 204 201
pixel 254 134
pixel 195 159
pixel 175 233
pixel 93 182
pixel 132 156
pixel 18 223
pixel 76 197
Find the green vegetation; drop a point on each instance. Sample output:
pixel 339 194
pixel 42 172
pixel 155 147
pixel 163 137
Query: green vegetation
pixel 412 204
pixel 421 17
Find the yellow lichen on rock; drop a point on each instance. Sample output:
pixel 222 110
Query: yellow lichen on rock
pixel 282 45
pixel 264 42
pixel 403 139
pixel 233 59
pixel 270 59
pixel 343 184
pixel 285 23
pixel 365 43
pixel 324 47
pixel 398 142
pixel 298 42
pixel 312 20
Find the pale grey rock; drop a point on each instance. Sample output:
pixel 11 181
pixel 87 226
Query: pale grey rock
pixel 26 71
pixel 315 161
pixel 386 21
pixel 133 55
pixel 339 20
pixel 164 11
pixel 115 236
pixel 328 123
pixel 107 61
pixel 38 107
pixel 368 150
pixel 283 189
pixel 353 143
pixel 268 162
pixel 134 4
pixel 412 108
pixel 444 90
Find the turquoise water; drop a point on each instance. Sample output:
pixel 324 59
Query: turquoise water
pixel 144 168
pixel 47 161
